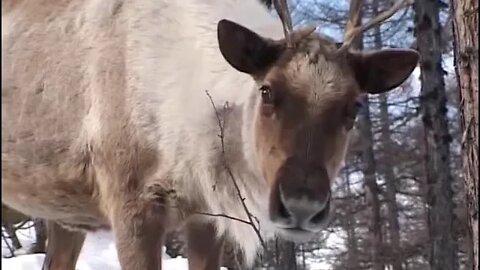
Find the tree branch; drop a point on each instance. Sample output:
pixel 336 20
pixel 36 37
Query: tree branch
pixel 250 216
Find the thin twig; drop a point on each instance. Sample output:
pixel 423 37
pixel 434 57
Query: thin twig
pixel 219 120
pixel 250 216
pixel 20 226
pixel 214 215
pixel 352 31
pixel 223 215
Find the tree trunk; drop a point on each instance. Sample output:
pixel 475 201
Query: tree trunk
pixel 41 237
pixel 433 109
pixel 304 261
pixel 390 181
pixel 371 187
pixel 465 29
pixel 286 255
pixel 387 164
pixel 368 170
pixel 352 257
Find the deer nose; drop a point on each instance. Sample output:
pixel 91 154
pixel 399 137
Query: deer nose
pixel 303 212
pixel 300 201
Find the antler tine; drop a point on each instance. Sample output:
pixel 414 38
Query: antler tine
pixel 352 31
pixel 353 17
pixel 281 7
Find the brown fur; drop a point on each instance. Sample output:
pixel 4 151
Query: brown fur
pixel 204 248
pixel 50 168
pixel 306 130
pixel 306 110
pixel 63 248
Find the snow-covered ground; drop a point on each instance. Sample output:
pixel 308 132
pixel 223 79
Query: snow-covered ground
pixel 98 253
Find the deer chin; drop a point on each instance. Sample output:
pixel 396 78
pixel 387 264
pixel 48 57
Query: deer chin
pixel 297 235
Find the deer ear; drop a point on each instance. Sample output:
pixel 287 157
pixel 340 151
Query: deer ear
pixel 380 71
pixel 245 50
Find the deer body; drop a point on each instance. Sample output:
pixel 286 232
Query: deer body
pixel 105 78
pixel 107 123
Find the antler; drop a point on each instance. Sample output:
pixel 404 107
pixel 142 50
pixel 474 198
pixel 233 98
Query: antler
pixel 281 7
pixel 352 31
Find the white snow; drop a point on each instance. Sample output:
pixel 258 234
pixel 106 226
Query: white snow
pixel 98 253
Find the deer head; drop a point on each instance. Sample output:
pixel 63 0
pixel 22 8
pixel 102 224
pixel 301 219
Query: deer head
pixel 304 108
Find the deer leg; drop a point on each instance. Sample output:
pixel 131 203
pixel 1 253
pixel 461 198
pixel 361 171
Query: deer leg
pixel 232 257
pixel 139 228
pixel 204 247
pixel 63 247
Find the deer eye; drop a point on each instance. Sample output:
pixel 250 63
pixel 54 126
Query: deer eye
pixel 351 114
pixel 356 108
pixel 267 95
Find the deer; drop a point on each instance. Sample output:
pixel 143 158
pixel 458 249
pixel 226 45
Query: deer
pixel 143 116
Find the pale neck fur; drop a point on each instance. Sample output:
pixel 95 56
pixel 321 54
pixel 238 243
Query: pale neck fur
pixel 172 77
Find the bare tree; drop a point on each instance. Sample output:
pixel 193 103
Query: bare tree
pixel 437 138
pixel 368 158
pixel 286 255
pixel 465 29
pixel 386 167
pixel 352 245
